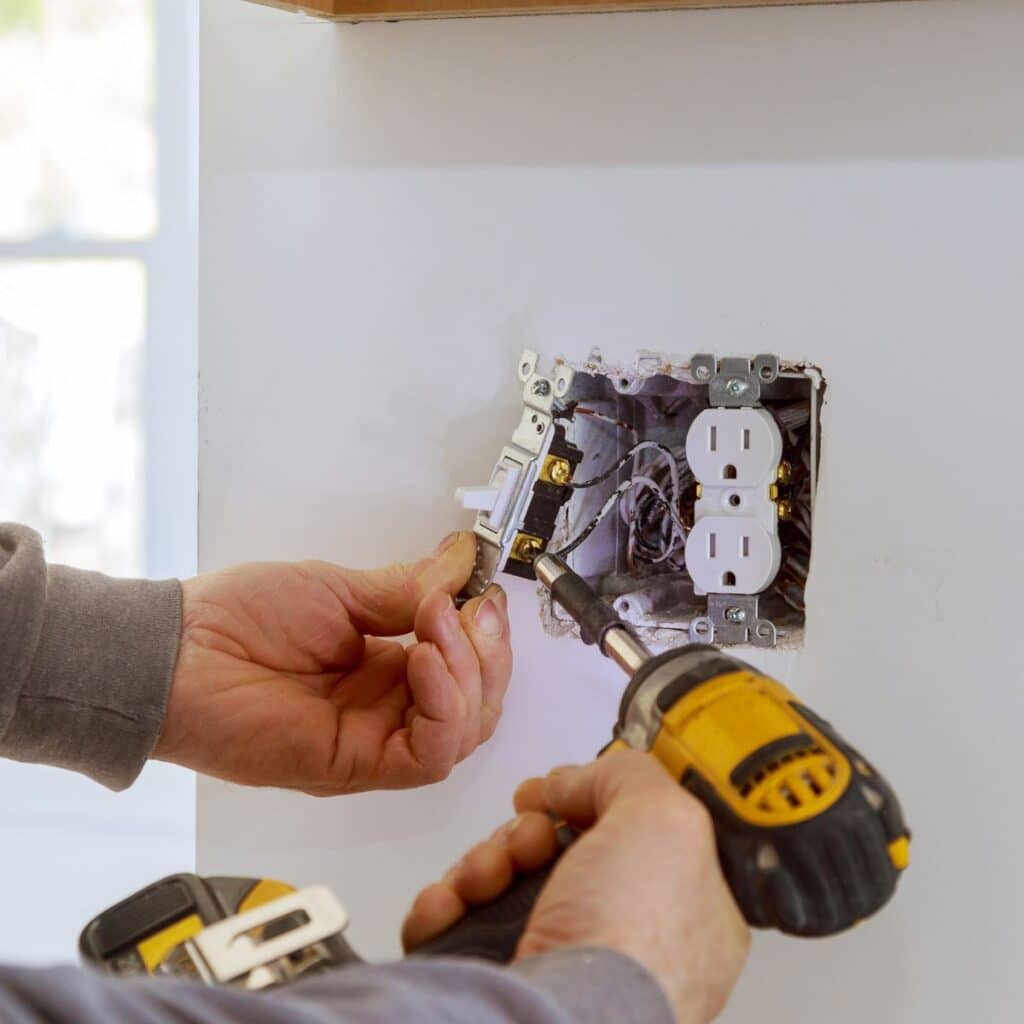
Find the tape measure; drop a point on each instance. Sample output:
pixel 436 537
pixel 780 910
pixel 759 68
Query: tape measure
pixel 253 933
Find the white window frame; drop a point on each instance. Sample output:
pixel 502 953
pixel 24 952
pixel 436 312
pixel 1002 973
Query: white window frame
pixel 170 365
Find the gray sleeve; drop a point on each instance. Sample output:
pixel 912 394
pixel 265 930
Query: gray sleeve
pixel 85 662
pixel 572 987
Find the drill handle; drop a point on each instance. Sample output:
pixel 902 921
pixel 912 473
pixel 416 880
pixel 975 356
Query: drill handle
pixel 492 931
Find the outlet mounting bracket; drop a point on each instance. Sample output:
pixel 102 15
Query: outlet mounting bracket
pixel 734 382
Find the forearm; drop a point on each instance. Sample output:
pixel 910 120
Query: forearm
pixel 85 662
pixel 573 987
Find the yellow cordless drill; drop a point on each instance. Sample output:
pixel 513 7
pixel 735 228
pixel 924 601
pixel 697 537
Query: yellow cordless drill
pixel 810 836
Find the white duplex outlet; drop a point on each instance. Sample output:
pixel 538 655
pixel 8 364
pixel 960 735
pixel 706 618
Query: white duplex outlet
pixel 734 545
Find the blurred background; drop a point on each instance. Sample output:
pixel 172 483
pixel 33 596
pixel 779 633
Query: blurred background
pixel 97 395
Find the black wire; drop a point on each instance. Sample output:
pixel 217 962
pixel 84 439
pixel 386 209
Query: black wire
pixel 611 501
pixel 612 470
pixel 587 530
pixel 652 539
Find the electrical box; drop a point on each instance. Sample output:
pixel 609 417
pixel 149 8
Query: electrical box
pixel 682 489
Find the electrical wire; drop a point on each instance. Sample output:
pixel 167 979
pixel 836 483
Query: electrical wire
pixel 609 504
pixel 636 514
pixel 653 536
pixel 656 531
pixel 792 417
pixel 795 605
pixel 640 446
pixel 621 424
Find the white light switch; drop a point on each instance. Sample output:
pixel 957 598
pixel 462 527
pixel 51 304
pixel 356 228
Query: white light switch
pixel 480 499
pixel 504 481
pixel 495 497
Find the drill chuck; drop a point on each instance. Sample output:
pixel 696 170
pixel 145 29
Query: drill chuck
pixel 596 618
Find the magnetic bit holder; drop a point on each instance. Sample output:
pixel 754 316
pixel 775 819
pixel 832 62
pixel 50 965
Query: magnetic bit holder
pixel 599 624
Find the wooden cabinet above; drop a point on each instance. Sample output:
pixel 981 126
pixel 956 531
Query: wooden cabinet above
pixel 391 10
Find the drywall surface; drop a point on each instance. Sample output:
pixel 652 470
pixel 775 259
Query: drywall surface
pixel 390 213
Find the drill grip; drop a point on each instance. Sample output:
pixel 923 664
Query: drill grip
pixel 492 931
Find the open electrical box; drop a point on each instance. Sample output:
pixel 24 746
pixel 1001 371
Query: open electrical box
pixel 682 490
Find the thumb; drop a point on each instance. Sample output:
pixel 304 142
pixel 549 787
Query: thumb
pixel 383 602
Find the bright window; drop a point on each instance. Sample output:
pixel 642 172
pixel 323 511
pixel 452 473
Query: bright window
pixel 71 437
pixel 77 141
pixel 97 396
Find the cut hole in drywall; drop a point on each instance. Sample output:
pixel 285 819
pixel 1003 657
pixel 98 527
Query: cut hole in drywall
pixel 684 492
pixel 629 530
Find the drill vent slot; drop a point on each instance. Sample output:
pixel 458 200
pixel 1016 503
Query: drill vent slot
pixel 774 767
pixel 793 781
pixel 789 774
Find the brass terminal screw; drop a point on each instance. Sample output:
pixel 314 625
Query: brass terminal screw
pixel 526 548
pixel 559 472
pixel 785 509
pixel 700 490
pixel 785 473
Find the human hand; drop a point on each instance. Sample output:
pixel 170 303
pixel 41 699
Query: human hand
pixel 643 878
pixel 282 680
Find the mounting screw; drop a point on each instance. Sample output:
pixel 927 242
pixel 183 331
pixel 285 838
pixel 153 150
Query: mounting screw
pixel 737 615
pixel 541 387
pixel 736 387
pixel 702 371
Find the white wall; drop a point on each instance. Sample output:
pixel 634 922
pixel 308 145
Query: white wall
pixel 69 848
pixel 391 212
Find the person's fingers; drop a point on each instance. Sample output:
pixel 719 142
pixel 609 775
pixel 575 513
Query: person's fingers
pixel 532 841
pixel 380 671
pixel 426 748
pixel 529 796
pixel 444 680
pixel 434 910
pixel 483 874
pixel 623 778
pixel 485 621
pixel 384 601
pixel 526 843
pixel 439 623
